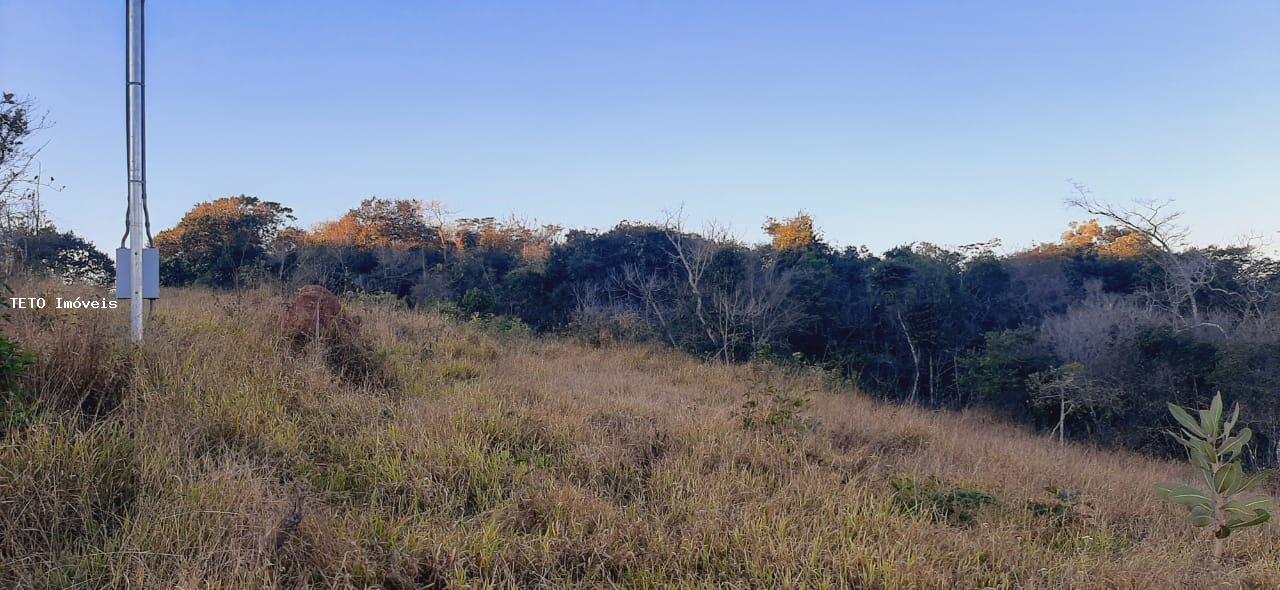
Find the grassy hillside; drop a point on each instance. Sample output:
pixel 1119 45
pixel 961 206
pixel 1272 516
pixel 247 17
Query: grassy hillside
pixel 430 453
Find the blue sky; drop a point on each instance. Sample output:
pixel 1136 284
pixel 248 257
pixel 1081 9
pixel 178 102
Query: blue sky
pixel 890 122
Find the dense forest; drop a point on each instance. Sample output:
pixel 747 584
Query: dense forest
pixel 1085 337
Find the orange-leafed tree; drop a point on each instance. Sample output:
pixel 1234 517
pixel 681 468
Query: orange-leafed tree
pixel 792 233
pixel 1090 238
pixel 218 240
pixel 397 224
pixel 516 237
pixel 1106 241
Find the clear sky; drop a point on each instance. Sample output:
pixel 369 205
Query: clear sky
pixel 890 122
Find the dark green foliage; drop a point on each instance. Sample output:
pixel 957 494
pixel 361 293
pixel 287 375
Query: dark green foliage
pixel 1186 363
pixel 772 409
pixel 955 506
pixel 62 255
pixel 523 293
pixel 998 374
pixel 479 302
pixel 16 406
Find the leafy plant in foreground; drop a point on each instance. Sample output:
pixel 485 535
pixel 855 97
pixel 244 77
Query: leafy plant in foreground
pixel 15 408
pixel 1216 453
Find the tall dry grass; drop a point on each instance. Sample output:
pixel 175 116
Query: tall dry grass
pixel 222 457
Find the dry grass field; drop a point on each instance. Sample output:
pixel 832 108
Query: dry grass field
pixel 429 453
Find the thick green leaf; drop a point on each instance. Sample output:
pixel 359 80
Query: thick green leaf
pixel 1206 467
pixel 1235 444
pixel 1250 483
pixel 1231 422
pixel 1247 508
pixel 1184 494
pixel 1210 429
pixel 1201 516
pixel 1209 451
pixel 1184 441
pixel 1261 517
pixel 1227 477
pixel 1187 421
pixel 1214 424
pixel 1203 455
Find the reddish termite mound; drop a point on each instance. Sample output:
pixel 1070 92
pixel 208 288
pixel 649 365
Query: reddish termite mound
pixel 314 311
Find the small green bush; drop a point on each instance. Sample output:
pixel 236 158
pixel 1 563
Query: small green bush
pixel 16 408
pixel 1216 453
pixel 479 302
pixel 956 506
pixel 769 408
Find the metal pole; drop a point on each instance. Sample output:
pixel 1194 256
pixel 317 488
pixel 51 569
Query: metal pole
pixel 133 123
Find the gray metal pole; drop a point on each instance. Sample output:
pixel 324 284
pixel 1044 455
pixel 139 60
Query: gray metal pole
pixel 133 123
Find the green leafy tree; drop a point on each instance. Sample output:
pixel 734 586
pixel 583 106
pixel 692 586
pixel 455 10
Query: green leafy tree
pixel 217 240
pixel 64 255
pixel 1068 392
pixel 1216 453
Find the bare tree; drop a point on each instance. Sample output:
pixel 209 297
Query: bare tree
pixel 751 310
pixel 21 180
pixel 915 359
pixel 439 219
pixel 1186 272
pixel 1254 280
pixel 770 310
pixel 693 255
pixel 19 121
pixel 652 291
pixel 1090 332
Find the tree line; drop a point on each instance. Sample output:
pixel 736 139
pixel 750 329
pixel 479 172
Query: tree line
pixel 1085 337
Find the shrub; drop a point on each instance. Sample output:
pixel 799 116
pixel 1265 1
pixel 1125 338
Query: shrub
pixel 1216 453
pixel 998 375
pixel 775 410
pixel 955 506
pixel 502 325
pixel 16 408
pixel 479 301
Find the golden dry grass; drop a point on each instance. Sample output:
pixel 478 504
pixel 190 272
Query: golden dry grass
pixel 227 460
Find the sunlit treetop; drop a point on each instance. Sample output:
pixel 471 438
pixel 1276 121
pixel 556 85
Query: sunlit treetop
pixel 792 233
pixel 1090 238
